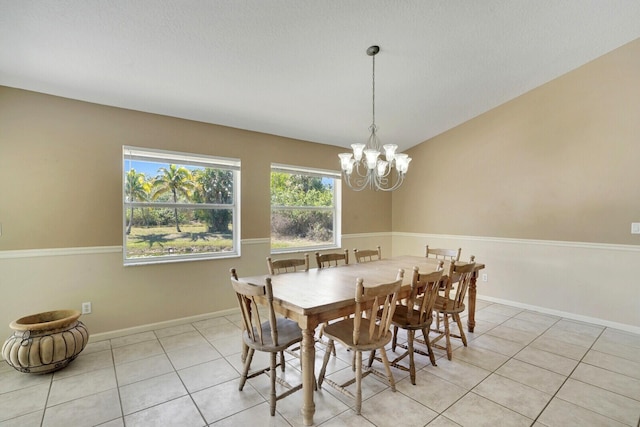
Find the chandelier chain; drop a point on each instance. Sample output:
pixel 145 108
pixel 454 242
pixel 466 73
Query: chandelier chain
pixel 373 91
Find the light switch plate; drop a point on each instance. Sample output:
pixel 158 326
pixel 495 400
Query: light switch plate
pixel 635 228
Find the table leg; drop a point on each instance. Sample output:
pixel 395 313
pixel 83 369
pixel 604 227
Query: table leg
pixel 308 375
pixel 471 316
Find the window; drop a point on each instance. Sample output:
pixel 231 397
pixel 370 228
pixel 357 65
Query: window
pixel 178 206
pixel 305 209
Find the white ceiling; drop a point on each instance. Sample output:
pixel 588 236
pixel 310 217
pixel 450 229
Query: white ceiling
pixel 298 68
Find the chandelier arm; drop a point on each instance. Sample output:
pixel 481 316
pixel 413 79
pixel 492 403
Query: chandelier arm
pixel 360 184
pixel 383 182
pixel 372 182
pixel 358 170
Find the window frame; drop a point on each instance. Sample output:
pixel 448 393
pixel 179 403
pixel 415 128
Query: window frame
pixel 131 153
pixel 336 208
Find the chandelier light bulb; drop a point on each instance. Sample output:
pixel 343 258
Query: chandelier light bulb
pixel 390 151
pixel 402 162
pixel 382 168
pixel 358 149
pixel 371 157
pixel 345 159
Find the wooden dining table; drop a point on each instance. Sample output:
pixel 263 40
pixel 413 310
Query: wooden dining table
pixel 320 295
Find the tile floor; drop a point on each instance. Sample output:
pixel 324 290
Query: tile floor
pixel 521 368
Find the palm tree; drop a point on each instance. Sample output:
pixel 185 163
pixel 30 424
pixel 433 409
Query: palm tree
pixel 137 188
pixel 176 180
pixel 214 186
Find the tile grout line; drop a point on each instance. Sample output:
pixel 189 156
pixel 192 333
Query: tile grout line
pixel 580 362
pixel 513 357
pixel 493 371
pixel 569 376
pixel 469 391
pixel 44 410
pixel 115 375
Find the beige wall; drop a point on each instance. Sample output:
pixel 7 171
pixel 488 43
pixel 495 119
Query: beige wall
pixel 66 156
pixel 561 162
pixel 543 190
pixel 61 210
pixel 552 179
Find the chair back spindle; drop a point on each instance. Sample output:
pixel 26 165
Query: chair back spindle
pixel 332 259
pixel 379 300
pixel 424 292
pixel 441 253
pixel 366 255
pixel 288 265
pixel 460 274
pixel 251 321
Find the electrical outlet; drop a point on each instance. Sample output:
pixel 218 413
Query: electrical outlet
pixel 635 228
pixel 485 277
pixel 86 308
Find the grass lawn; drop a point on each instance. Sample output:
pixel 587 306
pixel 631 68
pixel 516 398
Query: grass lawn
pixel 165 240
pixel 193 238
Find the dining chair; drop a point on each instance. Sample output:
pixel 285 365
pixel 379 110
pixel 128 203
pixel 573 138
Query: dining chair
pixel 366 255
pixel 272 336
pixel 451 304
pixel 415 315
pixel 332 259
pixel 288 265
pixel 363 332
pixel 440 253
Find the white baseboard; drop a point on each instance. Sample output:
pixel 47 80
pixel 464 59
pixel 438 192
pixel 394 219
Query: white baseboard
pixel 169 323
pixel 564 314
pixel 176 322
pixel 102 336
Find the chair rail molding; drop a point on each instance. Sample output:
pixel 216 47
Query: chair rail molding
pixel 561 243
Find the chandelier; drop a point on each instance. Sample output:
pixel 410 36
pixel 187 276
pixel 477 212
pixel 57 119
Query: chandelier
pixel 364 168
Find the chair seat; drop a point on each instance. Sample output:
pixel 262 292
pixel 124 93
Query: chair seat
pixel 288 333
pixel 442 302
pixel 402 320
pixel 342 331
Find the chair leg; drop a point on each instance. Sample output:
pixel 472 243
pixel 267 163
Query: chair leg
pixel 358 357
pixel 385 360
pixel 372 355
pixel 394 341
pixel 333 349
pixel 432 357
pixel 447 334
pixel 272 400
pixel 245 349
pixel 325 361
pixel 282 361
pixel 321 333
pixel 247 365
pixel 456 316
pixel 412 366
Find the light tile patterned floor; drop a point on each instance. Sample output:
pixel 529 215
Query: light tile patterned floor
pixel 521 368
